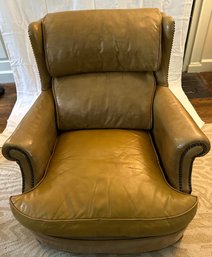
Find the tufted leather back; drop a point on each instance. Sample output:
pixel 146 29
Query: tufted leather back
pixel 100 65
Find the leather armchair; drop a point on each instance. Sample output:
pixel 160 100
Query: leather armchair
pixel 106 151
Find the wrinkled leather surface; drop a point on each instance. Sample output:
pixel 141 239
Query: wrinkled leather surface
pixel 31 144
pixel 102 40
pixel 104 183
pixel 105 100
pixel 36 39
pixel 177 137
pixel 168 27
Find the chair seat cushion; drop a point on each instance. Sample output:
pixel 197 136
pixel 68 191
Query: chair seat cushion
pixel 104 184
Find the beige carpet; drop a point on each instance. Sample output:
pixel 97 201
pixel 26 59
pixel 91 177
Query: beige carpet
pixel 15 240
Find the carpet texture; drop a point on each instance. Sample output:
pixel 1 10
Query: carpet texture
pixel 16 240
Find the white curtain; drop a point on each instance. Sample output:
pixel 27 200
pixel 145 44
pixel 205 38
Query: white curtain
pixel 15 15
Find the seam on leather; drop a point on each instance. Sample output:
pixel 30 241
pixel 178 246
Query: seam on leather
pixel 44 45
pixel 204 150
pixel 35 56
pixel 30 39
pixel 19 163
pixel 160 44
pixel 99 239
pixel 154 149
pixel 56 103
pixel 152 102
pixel 103 219
pixel 172 38
pixel 44 174
pixel 160 164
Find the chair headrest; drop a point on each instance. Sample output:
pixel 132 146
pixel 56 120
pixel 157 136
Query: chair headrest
pixel 102 40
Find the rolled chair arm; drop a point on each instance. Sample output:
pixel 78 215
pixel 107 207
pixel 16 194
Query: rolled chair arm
pixel 32 143
pixel 177 138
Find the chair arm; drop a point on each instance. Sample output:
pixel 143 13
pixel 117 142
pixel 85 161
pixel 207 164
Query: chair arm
pixel 178 140
pixel 32 143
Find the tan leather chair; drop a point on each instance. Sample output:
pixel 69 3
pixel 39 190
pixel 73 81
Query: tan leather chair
pixel 106 151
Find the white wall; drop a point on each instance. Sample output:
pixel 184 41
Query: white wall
pixel 200 58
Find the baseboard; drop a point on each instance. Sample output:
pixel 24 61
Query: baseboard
pixel 204 65
pixel 6 74
pixel 6 77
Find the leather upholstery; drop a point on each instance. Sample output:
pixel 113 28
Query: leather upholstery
pixel 102 41
pixel 106 151
pixel 168 27
pixel 36 39
pixel 32 143
pixel 178 139
pixel 90 175
pixel 121 246
pixel 104 100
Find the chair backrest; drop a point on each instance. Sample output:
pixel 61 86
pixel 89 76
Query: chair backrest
pixel 102 65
